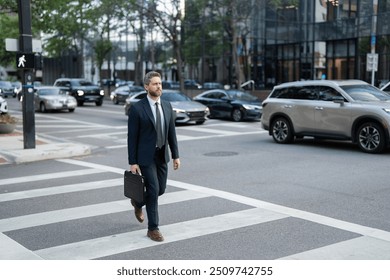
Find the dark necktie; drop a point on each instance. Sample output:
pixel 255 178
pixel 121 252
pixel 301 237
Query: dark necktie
pixel 160 139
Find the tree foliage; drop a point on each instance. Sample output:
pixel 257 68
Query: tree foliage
pixel 209 29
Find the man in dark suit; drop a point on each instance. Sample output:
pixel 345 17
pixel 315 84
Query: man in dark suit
pixel 151 129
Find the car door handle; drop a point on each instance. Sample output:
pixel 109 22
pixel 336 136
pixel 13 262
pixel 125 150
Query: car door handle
pixel 287 106
pixel 319 108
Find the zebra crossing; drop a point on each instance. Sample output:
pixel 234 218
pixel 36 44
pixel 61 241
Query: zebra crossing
pixel 364 243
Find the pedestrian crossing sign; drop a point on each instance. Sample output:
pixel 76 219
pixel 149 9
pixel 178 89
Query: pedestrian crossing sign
pixel 25 60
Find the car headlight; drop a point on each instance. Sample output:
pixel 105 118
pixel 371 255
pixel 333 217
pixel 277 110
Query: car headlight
pixel 251 107
pixel 80 92
pixel 101 92
pixel 178 111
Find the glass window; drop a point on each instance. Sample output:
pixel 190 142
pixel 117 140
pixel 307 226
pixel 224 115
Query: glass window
pixel 327 93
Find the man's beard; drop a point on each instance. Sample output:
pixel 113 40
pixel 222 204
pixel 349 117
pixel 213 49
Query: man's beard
pixel 155 93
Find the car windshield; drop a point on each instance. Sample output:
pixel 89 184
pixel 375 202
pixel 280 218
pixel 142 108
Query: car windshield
pixel 123 88
pixel 5 84
pixel 50 91
pixel 82 83
pixel 175 96
pixel 366 93
pixel 241 95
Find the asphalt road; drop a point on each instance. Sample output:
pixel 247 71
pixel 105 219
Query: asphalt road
pixel 238 195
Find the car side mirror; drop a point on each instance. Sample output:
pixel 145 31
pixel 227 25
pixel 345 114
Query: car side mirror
pixel 338 99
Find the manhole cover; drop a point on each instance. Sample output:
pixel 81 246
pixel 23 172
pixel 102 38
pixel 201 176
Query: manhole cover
pixel 221 154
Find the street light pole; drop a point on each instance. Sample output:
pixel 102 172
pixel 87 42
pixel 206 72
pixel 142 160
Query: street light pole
pixel 25 46
pixel 373 38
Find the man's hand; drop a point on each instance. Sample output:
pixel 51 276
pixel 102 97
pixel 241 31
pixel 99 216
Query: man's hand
pixel 176 164
pixel 135 169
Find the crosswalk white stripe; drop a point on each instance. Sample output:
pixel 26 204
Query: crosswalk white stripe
pixel 96 166
pixel 12 250
pixel 316 218
pixel 68 126
pixel 101 134
pixel 361 248
pixel 47 176
pixel 93 210
pixel 208 130
pixel 60 189
pixel 119 243
pixel 190 138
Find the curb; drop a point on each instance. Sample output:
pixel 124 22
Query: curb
pixel 12 152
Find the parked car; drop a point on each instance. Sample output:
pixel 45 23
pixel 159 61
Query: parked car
pixel 185 109
pixel 53 98
pixel 7 89
pixel 3 105
pixel 231 104
pixel 212 85
pixel 82 89
pixel 350 110
pixel 192 84
pixel 386 87
pixel 170 85
pixel 120 94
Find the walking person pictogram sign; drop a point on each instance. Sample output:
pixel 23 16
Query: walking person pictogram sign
pixel 25 60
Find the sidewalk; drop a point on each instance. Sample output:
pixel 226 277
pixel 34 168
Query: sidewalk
pixel 12 149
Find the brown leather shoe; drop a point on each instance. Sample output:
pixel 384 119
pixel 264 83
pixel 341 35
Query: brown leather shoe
pixel 155 235
pixel 138 212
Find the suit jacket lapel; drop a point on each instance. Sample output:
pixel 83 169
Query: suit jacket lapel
pixel 148 110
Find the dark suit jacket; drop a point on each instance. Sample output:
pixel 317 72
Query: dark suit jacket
pixel 142 135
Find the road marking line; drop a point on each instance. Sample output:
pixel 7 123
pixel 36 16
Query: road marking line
pixel 361 248
pixel 102 135
pixel 12 250
pixel 96 166
pixel 304 215
pixel 63 215
pixel 69 126
pixel 120 243
pixel 63 174
pixel 209 130
pixel 60 189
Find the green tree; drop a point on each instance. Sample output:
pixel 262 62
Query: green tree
pixel 7 23
pixel 167 15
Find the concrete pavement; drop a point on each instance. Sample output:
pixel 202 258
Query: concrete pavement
pixel 12 149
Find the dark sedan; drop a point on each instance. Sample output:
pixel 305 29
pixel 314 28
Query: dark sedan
pixel 7 89
pixel 185 109
pixel 231 104
pixel 120 94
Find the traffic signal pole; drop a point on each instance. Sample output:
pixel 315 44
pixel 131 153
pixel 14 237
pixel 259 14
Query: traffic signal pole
pixel 25 46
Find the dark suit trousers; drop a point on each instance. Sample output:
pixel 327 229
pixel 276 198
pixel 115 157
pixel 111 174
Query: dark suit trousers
pixel 156 181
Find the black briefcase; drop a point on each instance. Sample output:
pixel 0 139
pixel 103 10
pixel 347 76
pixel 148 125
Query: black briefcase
pixel 134 186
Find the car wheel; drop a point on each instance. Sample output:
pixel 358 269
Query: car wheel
pixel 42 107
pixel 282 131
pixel 237 115
pixel 99 103
pixel 115 101
pixel 371 138
pixel 80 103
pixel 200 122
pixel 71 110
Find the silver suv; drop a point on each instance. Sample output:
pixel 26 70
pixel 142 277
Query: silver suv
pixel 343 110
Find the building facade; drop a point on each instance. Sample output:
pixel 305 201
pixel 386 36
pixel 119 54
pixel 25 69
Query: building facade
pixel 320 39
